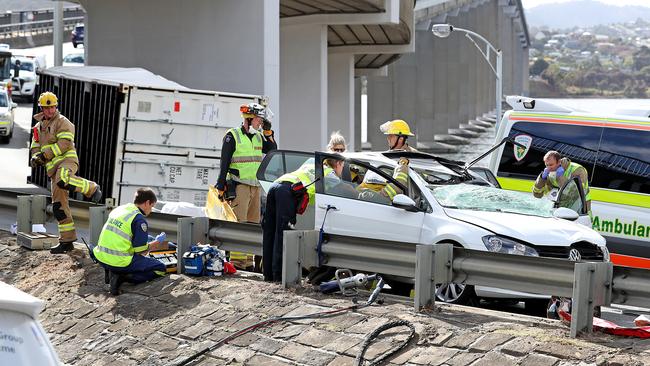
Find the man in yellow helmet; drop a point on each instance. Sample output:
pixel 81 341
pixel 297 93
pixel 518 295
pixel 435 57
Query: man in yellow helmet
pixel 397 132
pixel 53 147
pixel 241 156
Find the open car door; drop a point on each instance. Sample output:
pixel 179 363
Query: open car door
pixel 274 165
pixel 572 196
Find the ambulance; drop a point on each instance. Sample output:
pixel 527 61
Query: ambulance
pixel 615 150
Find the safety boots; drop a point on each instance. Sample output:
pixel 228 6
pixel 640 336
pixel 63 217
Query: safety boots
pixel 63 247
pixel 116 280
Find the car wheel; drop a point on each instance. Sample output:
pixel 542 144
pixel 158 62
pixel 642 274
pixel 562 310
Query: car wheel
pixel 456 293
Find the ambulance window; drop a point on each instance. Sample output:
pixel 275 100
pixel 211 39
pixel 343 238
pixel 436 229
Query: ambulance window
pixel 623 161
pixel 578 143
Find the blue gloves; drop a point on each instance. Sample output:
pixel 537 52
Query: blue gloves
pixel 161 237
pixel 545 173
pixel 559 171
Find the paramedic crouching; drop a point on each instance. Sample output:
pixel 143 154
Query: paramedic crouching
pixel 123 246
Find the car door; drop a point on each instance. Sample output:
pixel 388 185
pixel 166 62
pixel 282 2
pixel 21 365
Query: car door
pixel 572 196
pixel 342 209
pixel 275 164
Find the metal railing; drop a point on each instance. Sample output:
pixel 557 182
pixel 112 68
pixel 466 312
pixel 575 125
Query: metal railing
pixel 589 284
pixel 17 30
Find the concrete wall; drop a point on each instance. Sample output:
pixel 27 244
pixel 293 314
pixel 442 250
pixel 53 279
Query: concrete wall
pixel 203 44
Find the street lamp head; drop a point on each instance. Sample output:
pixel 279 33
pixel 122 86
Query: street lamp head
pixel 442 30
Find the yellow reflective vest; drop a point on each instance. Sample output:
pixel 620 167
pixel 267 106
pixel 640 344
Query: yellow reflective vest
pixel 246 158
pixel 305 174
pixel 115 247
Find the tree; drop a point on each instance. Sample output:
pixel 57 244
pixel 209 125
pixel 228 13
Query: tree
pixel 641 58
pixel 538 66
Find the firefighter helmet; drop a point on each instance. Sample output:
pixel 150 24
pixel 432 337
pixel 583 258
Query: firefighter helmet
pixel 396 127
pixel 48 99
pixel 251 110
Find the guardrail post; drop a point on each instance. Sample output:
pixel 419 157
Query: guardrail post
pixel 98 216
pixel 442 263
pixel 291 267
pixel 31 210
pixel 191 230
pixel 582 308
pixel 425 287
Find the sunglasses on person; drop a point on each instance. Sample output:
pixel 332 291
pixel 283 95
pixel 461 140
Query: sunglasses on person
pixel 339 150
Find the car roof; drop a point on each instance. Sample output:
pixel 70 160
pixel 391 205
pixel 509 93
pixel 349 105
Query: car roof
pixel 418 159
pixel 13 299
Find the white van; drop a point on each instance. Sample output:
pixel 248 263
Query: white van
pixel 615 150
pixel 23 340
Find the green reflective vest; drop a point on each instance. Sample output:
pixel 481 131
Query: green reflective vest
pixel 567 174
pixel 114 247
pixel 246 158
pixel 305 174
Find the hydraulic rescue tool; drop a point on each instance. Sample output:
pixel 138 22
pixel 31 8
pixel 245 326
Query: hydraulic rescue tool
pixel 347 283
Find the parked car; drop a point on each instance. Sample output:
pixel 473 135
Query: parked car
pixel 73 59
pixel 445 203
pixel 23 72
pixel 77 35
pixel 24 341
pixel 6 117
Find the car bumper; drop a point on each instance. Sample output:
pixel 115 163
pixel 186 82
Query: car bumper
pixel 5 128
pixel 26 89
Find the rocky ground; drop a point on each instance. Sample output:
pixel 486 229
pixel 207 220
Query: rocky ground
pixel 165 321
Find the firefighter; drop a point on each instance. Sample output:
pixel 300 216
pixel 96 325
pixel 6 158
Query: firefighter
pixel 123 246
pixel 241 155
pixel 53 147
pixel 376 189
pixel 397 132
pixel 558 171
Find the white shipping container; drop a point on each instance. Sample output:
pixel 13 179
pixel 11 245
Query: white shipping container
pixel 165 136
pixel 173 178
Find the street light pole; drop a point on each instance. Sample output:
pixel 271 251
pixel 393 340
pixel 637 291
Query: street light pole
pixel 444 30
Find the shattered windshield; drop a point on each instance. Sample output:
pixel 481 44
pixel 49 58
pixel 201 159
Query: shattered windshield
pixel 479 198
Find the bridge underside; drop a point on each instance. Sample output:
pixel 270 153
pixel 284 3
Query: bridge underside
pixel 306 55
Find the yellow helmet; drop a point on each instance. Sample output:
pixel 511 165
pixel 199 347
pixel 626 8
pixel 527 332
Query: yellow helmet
pixel 396 127
pixel 48 99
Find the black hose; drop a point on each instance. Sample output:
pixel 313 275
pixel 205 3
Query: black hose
pixel 375 333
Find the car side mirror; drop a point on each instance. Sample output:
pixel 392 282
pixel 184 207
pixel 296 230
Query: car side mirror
pixel 404 202
pixel 14 105
pixel 566 214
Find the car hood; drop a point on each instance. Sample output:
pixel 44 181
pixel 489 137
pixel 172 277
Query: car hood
pixel 4 110
pixel 549 231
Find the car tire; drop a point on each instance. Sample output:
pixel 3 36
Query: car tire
pixel 455 293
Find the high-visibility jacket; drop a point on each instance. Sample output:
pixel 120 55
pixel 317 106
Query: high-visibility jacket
pixel 305 174
pixel 55 139
pixel 115 247
pixel 571 170
pixel 246 158
pixel 389 190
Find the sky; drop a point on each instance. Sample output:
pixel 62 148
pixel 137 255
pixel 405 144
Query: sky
pixel 532 3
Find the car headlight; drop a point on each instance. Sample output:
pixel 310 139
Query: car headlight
pixel 499 244
pixel 5 116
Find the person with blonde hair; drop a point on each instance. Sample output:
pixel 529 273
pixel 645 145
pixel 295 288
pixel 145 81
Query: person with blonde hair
pixel 337 143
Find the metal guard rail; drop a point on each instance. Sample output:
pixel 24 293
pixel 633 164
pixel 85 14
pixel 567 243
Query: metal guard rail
pixel 588 283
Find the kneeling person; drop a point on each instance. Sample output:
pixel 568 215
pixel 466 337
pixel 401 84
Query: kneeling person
pixel 123 246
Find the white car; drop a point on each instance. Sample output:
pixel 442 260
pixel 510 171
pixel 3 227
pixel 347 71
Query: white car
pixel 6 117
pixel 445 203
pixel 24 84
pixel 24 341
pixel 73 59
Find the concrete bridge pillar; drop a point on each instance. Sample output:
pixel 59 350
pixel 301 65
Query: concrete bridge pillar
pixel 425 53
pixel 355 144
pixel 380 107
pixel 405 80
pixel 303 87
pixel 466 52
pixel 476 63
pixel 340 96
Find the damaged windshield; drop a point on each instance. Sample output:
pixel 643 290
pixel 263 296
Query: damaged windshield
pixel 472 197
